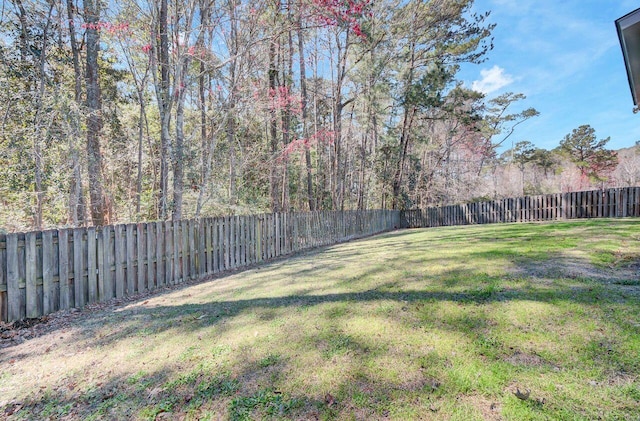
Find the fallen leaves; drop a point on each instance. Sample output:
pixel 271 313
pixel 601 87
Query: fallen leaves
pixel 329 399
pixel 12 408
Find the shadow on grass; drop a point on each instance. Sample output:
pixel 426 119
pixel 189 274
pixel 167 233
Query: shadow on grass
pixel 169 393
pixel 252 390
pixel 193 317
pixel 454 287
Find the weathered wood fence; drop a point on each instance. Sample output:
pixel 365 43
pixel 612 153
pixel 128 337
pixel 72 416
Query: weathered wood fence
pixel 611 203
pixel 43 272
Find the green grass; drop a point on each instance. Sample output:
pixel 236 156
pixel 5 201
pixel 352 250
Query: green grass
pixel 441 323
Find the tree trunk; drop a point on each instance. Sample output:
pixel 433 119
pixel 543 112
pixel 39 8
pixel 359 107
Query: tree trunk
pixel 273 128
pixel 178 151
pixel 207 137
pixel 231 109
pixel 76 212
pixel 141 126
pixel 38 119
pixel 305 130
pixel 183 62
pixel 407 123
pixel 402 156
pixel 37 148
pixel 286 117
pixel 337 170
pixel 205 171
pixel 163 94
pixel 99 214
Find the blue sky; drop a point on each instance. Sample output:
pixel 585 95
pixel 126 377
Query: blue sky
pixel 566 58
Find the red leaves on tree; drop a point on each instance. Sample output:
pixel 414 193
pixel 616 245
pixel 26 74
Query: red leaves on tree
pixel 281 98
pixel 111 28
pixel 347 13
pixel 475 144
pixel 326 137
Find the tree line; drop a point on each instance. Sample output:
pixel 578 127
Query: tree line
pixel 150 110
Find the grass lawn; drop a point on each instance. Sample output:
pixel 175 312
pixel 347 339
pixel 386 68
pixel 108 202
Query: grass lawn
pixel 514 321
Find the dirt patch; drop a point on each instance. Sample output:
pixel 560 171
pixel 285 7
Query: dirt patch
pixel 420 383
pixel 19 331
pixel 575 266
pixel 618 379
pixel 490 410
pixel 624 259
pixel 529 360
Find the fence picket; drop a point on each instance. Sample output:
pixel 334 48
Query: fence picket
pixel 48 302
pixel 151 279
pixel 63 270
pixel 78 264
pixel 104 264
pixel 140 257
pixel 92 266
pixel 207 245
pixel 215 245
pixel 13 279
pixel 226 229
pixel 131 272
pixel 202 266
pixel 184 245
pixel 178 250
pixel 120 252
pixel 31 289
pixel 169 244
pixel 159 254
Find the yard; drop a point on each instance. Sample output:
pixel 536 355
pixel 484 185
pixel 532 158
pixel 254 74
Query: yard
pixel 511 321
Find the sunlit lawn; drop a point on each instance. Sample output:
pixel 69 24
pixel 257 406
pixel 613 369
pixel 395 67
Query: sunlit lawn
pixel 446 323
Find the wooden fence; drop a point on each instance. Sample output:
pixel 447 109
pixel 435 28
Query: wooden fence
pixel 611 203
pixel 43 272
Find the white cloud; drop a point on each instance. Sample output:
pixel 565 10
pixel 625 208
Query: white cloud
pixel 492 80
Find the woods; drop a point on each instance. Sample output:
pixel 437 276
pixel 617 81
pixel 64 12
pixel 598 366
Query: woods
pixel 158 110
